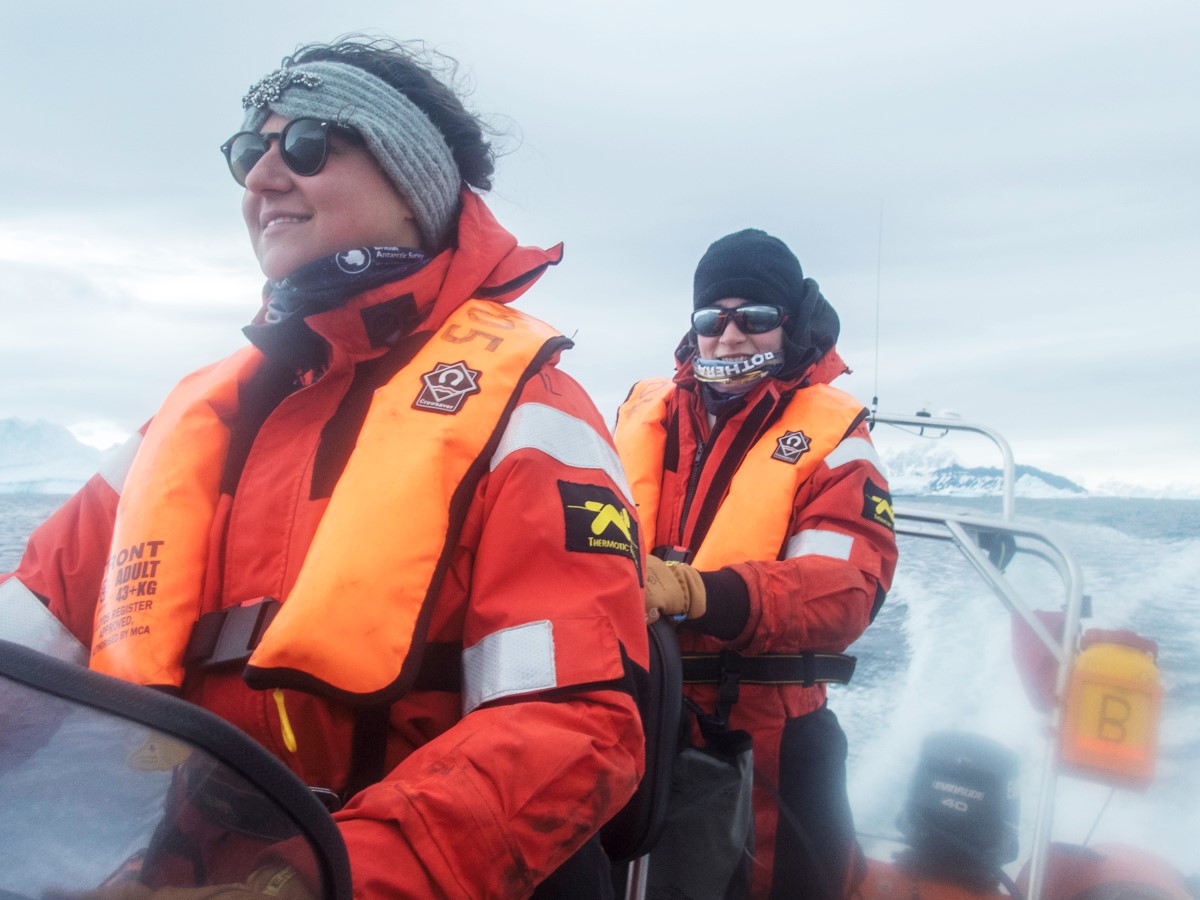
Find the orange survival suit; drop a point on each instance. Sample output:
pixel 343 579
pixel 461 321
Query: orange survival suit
pixel 782 501
pixel 484 786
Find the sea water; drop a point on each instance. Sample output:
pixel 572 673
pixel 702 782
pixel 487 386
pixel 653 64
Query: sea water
pixel 938 657
pixel 19 515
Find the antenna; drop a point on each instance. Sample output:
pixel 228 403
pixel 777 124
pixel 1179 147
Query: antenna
pixel 878 280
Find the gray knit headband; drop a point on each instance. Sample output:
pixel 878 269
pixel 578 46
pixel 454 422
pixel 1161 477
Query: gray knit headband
pixel 403 141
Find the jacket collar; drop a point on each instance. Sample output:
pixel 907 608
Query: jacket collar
pixel 484 261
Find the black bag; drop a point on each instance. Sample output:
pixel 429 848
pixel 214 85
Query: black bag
pixel 706 847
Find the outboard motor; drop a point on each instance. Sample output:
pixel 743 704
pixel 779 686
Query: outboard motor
pixel 962 814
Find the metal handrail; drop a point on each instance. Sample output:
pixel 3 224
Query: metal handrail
pixel 1009 467
pixel 964 531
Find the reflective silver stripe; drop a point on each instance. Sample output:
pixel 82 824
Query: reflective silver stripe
pixel 25 620
pixel 852 449
pixel 814 542
pixel 513 661
pixel 571 441
pixel 115 466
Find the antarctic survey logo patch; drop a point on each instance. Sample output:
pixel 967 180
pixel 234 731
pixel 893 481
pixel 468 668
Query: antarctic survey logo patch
pixel 447 387
pixel 877 506
pixel 352 262
pixel 790 447
pixel 598 522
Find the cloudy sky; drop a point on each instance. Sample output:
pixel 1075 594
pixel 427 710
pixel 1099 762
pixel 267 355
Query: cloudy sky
pixel 1002 203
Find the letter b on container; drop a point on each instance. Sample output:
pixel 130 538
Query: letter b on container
pixel 1114 702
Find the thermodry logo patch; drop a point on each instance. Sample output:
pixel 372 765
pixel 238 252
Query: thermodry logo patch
pixel 877 505
pixel 447 387
pixel 598 521
pixel 790 447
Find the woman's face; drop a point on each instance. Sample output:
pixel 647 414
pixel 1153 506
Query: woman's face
pixel 295 219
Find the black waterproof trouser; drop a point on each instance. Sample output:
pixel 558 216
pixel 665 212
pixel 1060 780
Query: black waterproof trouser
pixel 815 840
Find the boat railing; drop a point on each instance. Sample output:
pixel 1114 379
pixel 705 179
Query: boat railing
pixel 989 543
pixel 924 421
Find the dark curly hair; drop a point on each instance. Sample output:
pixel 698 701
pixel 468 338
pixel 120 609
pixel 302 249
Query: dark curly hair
pixel 410 67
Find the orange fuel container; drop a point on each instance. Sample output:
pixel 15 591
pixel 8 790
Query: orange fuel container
pixel 1114 702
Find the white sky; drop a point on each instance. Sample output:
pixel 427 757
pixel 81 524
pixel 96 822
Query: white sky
pixel 1036 167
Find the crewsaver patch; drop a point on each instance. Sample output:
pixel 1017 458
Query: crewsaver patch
pixel 877 506
pixel 791 446
pixel 446 387
pixel 598 522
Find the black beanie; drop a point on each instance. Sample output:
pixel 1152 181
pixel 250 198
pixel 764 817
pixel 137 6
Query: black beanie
pixel 752 265
pixel 759 268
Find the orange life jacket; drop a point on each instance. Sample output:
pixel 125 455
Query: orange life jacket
pixel 752 520
pixel 359 604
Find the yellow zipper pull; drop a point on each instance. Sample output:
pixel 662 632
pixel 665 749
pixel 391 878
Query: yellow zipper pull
pixel 285 725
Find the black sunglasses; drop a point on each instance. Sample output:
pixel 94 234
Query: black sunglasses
pixel 303 144
pixel 753 318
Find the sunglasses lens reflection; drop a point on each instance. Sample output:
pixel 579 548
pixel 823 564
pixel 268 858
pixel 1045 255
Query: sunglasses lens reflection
pixel 759 319
pixel 305 144
pixel 708 322
pixel 245 150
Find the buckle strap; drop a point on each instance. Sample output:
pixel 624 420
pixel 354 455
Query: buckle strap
pixel 230 635
pixel 729 682
pixel 805 669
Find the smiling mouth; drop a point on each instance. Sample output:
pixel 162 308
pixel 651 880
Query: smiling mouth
pixel 285 220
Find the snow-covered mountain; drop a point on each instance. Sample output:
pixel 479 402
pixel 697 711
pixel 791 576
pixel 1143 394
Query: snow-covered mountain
pixel 43 458
pixel 937 471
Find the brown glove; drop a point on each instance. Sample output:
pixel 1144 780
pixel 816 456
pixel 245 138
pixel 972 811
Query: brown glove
pixel 673 589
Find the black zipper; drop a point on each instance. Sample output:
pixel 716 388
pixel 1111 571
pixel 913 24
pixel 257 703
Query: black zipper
pixel 701 456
